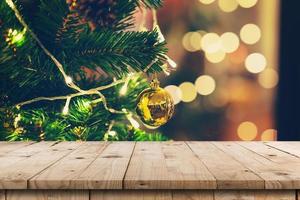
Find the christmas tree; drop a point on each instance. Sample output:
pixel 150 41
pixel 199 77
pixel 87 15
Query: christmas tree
pixel 73 70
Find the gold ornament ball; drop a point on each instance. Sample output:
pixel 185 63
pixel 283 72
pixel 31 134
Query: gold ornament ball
pixel 155 106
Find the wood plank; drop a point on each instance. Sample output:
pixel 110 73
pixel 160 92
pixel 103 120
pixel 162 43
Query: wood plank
pixel 276 176
pixel 270 153
pixel 166 165
pixel 64 173
pixel 255 195
pixel 47 195
pixel 2 195
pixel 108 170
pixel 131 195
pixel 152 195
pixel 6 147
pixel 230 174
pixel 17 175
pixel 9 159
pixel 289 147
pixel 193 194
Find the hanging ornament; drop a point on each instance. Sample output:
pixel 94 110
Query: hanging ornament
pixel 98 13
pixel 155 106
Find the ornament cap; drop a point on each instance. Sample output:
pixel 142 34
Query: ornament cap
pixel 154 84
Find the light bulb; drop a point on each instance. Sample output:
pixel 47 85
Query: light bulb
pixel 68 80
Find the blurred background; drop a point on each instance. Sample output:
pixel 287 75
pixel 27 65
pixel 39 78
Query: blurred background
pixel 227 86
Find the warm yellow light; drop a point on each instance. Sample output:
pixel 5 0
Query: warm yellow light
pixel 211 42
pixel 175 92
pixel 205 85
pixel 250 33
pixel 268 78
pixel 247 3
pixel 206 1
pixel 247 131
pixel 68 80
pixel 269 135
pixel 230 42
pixel 191 41
pixel 215 57
pixel 228 5
pixel 189 92
pixel 195 40
pixel 255 63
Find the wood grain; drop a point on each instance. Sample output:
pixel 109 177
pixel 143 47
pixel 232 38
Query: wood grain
pixel 108 170
pixel 131 195
pixel 64 173
pixel 255 195
pixel 6 147
pixel 230 174
pixel 17 175
pixel 289 147
pixel 275 175
pixel 47 195
pixel 192 194
pixel 168 165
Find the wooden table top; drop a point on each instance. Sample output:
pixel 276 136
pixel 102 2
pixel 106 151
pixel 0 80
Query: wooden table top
pixel 150 165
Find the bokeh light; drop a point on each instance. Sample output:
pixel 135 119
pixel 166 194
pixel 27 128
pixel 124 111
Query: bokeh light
pixel 206 1
pixel 175 92
pixel 250 33
pixel 191 41
pixel 211 42
pixel 255 63
pixel 205 85
pixel 247 131
pixel 247 3
pixel 228 5
pixel 215 57
pixel 269 135
pixel 230 42
pixel 189 92
pixel 268 78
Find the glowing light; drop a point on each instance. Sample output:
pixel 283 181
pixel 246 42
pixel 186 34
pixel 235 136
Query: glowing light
pixel 247 131
pixel 124 89
pixel 68 80
pixel 247 3
pixel 269 135
pixel 132 121
pixel 191 41
pixel 205 85
pixel 228 5
pixel 268 78
pixel 175 92
pixel 65 110
pixel 16 37
pixel 230 42
pixel 206 1
pixel 112 133
pixel 255 63
pixel 211 43
pixel 215 57
pixel 250 33
pixel 189 92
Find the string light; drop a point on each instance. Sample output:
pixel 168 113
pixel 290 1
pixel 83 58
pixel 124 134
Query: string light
pixel 250 33
pixel 247 3
pixel 228 5
pixel 211 42
pixel 255 63
pixel 189 92
pixel 247 131
pixel 268 78
pixel 230 42
pixel 65 110
pixel 205 85
pixel 68 80
pixel 175 92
